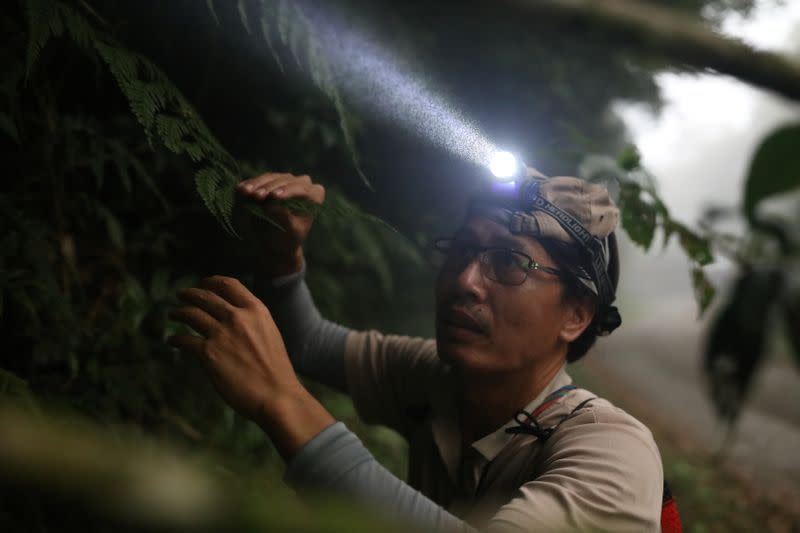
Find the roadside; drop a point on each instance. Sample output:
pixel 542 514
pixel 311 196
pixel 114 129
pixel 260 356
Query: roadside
pixel 652 369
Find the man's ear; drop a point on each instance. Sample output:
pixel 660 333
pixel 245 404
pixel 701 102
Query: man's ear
pixel 577 317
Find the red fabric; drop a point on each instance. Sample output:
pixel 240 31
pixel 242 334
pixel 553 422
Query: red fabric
pixel 670 521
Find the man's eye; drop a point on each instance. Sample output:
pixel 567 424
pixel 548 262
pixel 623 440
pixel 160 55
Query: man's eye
pixel 505 260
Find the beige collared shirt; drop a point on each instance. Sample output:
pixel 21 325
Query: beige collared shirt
pixel 600 471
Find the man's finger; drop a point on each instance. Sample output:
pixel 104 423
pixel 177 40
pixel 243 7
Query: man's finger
pixel 279 184
pixel 208 301
pixel 313 192
pixel 230 289
pixel 252 184
pixel 195 318
pixel 191 344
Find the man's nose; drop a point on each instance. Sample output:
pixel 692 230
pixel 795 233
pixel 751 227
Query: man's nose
pixel 471 280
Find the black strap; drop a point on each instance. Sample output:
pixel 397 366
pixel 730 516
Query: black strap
pixel 593 245
pixel 531 426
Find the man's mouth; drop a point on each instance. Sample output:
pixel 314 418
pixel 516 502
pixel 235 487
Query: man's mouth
pixel 458 321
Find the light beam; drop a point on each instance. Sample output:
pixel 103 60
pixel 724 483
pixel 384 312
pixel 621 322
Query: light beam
pixel 375 80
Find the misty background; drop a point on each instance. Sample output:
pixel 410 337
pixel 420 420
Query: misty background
pixel 699 148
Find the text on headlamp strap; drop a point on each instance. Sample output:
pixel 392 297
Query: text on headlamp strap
pixel 593 245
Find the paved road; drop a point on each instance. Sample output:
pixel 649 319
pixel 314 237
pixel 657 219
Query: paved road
pixel 657 358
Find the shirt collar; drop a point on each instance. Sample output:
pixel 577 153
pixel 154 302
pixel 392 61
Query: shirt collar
pixel 445 423
pixel 493 443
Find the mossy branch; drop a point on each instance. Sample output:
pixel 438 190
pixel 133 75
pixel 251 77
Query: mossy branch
pixel 680 39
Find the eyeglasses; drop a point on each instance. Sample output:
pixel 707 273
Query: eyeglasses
pixel 502 265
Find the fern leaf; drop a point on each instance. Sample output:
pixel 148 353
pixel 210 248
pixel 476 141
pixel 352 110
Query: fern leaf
pixel 78 27
pixel 242 8
pixel 44 21
pixel 212 9
pixel 266 32
pixel 283 20
pixel 296 32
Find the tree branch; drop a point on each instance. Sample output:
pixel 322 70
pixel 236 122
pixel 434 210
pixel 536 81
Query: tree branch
pixel 675 36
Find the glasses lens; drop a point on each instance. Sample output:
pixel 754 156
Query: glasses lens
pixel 506 267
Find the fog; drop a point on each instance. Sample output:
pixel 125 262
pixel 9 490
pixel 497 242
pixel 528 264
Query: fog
pixel 700 146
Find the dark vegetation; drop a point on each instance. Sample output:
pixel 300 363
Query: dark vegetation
pixel 125 126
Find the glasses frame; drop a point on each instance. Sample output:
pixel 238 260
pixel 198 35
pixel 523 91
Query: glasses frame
pixel 445 245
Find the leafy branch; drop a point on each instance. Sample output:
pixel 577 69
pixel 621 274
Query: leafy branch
pixel 664 31
pixel 643 212
pixel 766 292
pixel 284 27
pixel 161 109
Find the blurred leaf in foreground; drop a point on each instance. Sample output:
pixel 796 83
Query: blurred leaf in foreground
pixel 736 341
pixel 775 168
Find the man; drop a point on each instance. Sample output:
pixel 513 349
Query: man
pixel 498 437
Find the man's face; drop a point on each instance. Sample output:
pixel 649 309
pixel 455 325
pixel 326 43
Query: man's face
pixel 487 327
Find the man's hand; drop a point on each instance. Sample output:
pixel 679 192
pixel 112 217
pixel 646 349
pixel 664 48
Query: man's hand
pixel 283 250
pixel 247 360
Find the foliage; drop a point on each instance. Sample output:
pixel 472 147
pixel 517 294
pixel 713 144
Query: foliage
pixel 766 254
pixel 284 26
pixel 105 118
pixel 774 170
pixel 643 212
pixel 156 103
pixel 100 226
pixel 768 257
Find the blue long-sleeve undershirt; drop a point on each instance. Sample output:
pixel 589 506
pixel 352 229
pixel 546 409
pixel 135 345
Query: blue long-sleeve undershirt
pixel 335 460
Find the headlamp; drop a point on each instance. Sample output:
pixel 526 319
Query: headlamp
pixel 514 189
pixel 505 166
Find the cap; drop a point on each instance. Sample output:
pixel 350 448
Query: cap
pixel 570 210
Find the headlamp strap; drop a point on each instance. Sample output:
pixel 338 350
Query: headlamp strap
pixel 592 244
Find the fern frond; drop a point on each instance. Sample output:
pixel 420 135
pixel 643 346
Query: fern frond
pixel 167 115
pixel 44 22
pixel 241 6
pixel 79 28
pixel 267 33
pixel 296 32
pixel 161 109
pixel 210 6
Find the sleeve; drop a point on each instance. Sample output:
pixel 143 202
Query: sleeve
pixel 335 461
pixel 315 345
pixel 390 377
pixel 602 472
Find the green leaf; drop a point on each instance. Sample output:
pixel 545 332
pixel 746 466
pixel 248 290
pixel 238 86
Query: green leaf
pixel 775 168
pixel 242 8
pixel 630 158
pixel 284 22
pixel 736 341
pixel 696 247
pixel 638 216
pixel 44 21
pixel 703 290
pixel 212 9
pixel 267 32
